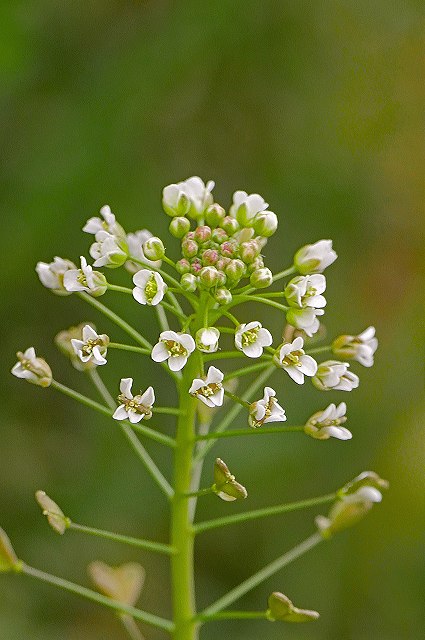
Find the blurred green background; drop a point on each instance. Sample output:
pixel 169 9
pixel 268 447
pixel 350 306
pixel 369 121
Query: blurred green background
pixel 318 106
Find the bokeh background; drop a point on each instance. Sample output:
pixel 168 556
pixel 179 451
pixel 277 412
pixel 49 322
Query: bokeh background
pixel 318 106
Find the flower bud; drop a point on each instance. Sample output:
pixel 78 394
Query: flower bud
pixel 189 248
pixel 55 516
pixel 223 296
pixel 245 207
pixel 202 234
pixel 225 484
pixel 175 201
pixel 348 510
pixel 235 270
pixel 189 282
pixel 179 226
pixel 8 558
pixel 334 375
pixel 230 249
pixel 51 274
pixel 222 263
pixel 33 369
pixel 230 225
pixel 210 257
pixel 360 348
pixel 365 479
pixel 305 319
pixel 249 251
pixel 265 224
pixel 196 266
pixel 108 250
pixel 123 584
pixel 281 608
pixel 183 266
pixel 209 276
pixel 154 249
pixel 207 339
pixel 314 258
pixel 219 236
pixel 258 263
pixel 261 278
pixel 214 215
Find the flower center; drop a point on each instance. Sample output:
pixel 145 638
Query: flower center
pixel 209 389
pixel 151 289
pixel 134 405
pixel 250 337
pixel 81 278
pixel 292 359
pixel 88 347
pixel 175 348
pixel 310 293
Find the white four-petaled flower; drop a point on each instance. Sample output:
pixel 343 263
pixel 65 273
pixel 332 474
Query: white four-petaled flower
pixel 251 338
pixel 32 368
pixel 333 374
pixel 306 291
pixel 191 196
pixel 291 357
pixel 92 347
pixel 210 391
pixel 108 250
pixel 51 274
pixel 245 207
pixel 305 319
pixel 109 223
pixel 84 279
pixel 207 339
pixel 314 258
pixel 134 408
pixel 327 423
pixel 360 348
pixel 266 410
pixel 174 347
pixel 150 287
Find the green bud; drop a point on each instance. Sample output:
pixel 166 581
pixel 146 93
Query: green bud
pixel 225 484
pixel 261 278
pixel 154 249
pixel 249 251
pixel 179 226
pixel 189 282
pixel 214 215
pixel 235 270
pixel 123 583
pixel 219 236
pixel 55 516
pixel 202 234
pixel 230 225
pixel 183 266
pixel 210 257
pixel 223 296
pixel 100 285
pixel 265 223
pixel 189 248
pixel 257 264
pixel 8 558
pixel 281 608
pixel 209 276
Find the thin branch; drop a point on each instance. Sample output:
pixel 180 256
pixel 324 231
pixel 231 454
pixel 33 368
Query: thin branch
pixel 149 545
pixel 247 432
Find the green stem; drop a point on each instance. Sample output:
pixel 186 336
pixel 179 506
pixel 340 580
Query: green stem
pixel 171 411
pixel 233 615
pixel 238 373
pixel 200 492
pixel 235 398
pixel 180 315
pixel 234 412
pixel 116 287
pixel 94 302
pixel 247 432
pixel 262 513
pixel 248 298
pixel 88 402
pixel 327 347
pixel 149 545
pixel 182 536
pixel 284 273
pixel 128 347
pixel 262 575
pixel 223 355
pixel 162 318
pixel 138 614
pixel 134 441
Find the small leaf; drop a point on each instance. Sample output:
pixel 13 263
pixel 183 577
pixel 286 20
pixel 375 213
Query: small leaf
pixel 123 583
pixel 55 516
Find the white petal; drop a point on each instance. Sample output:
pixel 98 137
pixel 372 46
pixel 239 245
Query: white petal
pixel 295 373
pixel 139 295
pixel 141 278
pixel 125 387
pixel 214 375
pixel 197 384
pixel 265 338
pixel 308 365
pixel 120 413
pixel 176 363
pixel 148 398
pixel 253 350
pixel 187 341
pixel 159 352
pixel 135 417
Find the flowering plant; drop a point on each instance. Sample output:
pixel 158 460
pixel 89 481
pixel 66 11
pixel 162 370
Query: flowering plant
pixel 195 300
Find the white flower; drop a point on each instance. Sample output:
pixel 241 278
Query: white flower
pixel 291 357
pixel 266 410
pixel 360 348
pixel 85 279
pixel 333 374
pixel 207 339
pixel 305 291
pixel 150 287
pixel 251 338
pixel 314 258
pixel 305 319
pixel 135 408
pixel 174 347
pixel 135 242
pixel 92 347
pixel 33 369
pixel 108 250
pixel 51 274
pixel 245 207
pixel 348 510
pixel 192 197
pixel 327 423
pixel 210 391
pixel 109 223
